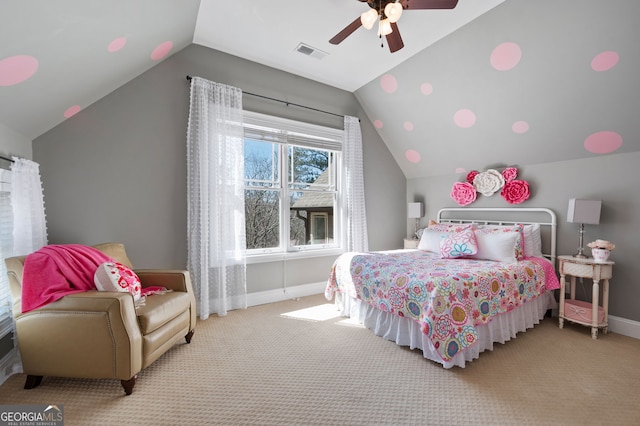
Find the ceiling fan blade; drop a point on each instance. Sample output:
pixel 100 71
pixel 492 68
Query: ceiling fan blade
pixel 346 32
pixel 394 40
pixel 429 4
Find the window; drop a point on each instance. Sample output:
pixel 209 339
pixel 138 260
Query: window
pixel 6 244
pixel 292 175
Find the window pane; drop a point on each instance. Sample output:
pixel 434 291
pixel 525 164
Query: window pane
pixel 262 218
pixel 311 218
pixel 261 163
pixel 309 167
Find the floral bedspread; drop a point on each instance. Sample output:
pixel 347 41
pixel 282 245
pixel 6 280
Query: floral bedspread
pixel 449 298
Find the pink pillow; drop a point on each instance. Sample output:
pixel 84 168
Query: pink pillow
pixel 459 244
pixel 114 276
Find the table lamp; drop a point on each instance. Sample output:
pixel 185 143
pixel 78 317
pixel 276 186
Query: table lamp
pixel 414 211
pixel 583 212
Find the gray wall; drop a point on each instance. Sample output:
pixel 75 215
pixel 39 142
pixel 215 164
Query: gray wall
pixel 14 143
pixel 613 179
pixel 116 171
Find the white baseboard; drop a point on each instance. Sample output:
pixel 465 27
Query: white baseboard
pixel 271 296
pixel 624 326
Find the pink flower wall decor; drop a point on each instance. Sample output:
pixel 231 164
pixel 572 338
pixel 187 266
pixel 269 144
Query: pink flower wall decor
pixel 463 193
pixel 487 183
pixel 516 191
pixel 509 174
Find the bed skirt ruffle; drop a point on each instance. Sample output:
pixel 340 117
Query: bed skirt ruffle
pixel 406 332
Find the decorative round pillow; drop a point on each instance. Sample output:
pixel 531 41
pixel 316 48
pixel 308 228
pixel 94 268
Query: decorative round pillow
pixel 114 276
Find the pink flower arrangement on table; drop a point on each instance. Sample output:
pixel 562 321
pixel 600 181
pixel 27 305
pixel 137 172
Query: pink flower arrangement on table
pixel 513 190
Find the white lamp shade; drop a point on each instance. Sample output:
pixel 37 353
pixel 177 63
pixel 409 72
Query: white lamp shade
pixel 384 28
pixel 369 18
pixel 584 211
pixel 393 11
pixel 414 210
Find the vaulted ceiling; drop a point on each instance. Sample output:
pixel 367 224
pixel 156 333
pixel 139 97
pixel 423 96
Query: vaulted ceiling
pixel 492 82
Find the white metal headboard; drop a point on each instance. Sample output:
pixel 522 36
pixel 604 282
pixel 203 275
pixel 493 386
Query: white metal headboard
pixel 546 218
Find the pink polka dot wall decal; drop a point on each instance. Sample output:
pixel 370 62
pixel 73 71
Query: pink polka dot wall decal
pixel 461 170
pixel 603 142
pixel 412 155
pixel 520 127
pixel 71 111
pixel 389 83
pixel 161 50
pixel 464 118
pixel 426 89
pixel 377 124
pixel 117 44
pixel 408 126
pixel 505 56
pixel 16 69
pixel 604 61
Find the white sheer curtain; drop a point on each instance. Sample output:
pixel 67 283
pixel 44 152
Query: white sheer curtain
pixel 23 230
pixel 27 202
pixel 355 221
pixel 215 179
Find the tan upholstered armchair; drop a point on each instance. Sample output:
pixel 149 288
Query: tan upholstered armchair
pixel 101 335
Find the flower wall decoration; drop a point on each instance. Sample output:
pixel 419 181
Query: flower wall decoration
pixel 487 183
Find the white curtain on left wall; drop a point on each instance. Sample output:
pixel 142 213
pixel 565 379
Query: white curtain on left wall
pixel 215 184
pixel 24 230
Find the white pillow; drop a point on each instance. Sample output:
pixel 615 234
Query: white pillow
pixel 430 240
pixel 499 246
pixel 532 240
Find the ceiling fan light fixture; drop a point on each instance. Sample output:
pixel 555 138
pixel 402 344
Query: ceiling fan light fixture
pixel 393 11
pixel 385 27
pixel 369 18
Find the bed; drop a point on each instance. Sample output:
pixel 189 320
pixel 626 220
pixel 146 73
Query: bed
pixel 478 276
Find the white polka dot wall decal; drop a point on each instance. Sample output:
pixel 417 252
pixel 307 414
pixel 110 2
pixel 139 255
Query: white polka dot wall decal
pixel 603 142
pixel 412 156
pixel 377 124
pixel 604 61
pixel 71 111
pixel 161 50
pixel 520 127
pixel 505 56
pixel 426 88
pixel 389 83
pixel 461 170
pixel 408 126
pixel 117 44
pixel 16 69
pixel 464 118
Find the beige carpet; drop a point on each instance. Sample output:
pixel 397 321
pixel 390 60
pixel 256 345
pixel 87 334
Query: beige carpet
pixel 258 367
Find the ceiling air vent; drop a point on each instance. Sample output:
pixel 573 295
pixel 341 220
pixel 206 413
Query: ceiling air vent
pixel 305 49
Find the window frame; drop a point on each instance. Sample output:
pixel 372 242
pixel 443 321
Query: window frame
pixel 285 134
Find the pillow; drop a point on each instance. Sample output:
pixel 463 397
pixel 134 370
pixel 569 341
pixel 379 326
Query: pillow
pixel 114 276
pixel 431 236
pixel 518 229
pixel 498 246
pixel 532 240
pixel 459 244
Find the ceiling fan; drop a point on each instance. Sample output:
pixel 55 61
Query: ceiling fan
pixel 388 12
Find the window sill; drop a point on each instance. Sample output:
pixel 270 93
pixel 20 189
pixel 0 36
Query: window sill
pixel 293 255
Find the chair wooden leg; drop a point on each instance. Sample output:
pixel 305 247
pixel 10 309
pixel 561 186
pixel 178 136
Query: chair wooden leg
pixel 189 335
pixel 128 385
pixel 32 381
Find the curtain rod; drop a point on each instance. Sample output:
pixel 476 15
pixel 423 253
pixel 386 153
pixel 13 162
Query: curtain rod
pixel 6 159
pixel 286 103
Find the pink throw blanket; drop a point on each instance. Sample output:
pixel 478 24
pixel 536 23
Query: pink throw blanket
pixel 54 271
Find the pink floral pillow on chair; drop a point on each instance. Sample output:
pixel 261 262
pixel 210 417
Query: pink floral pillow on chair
pixel 114 276
pixel 459 244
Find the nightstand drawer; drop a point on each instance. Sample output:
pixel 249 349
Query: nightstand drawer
pixel 411 243
pixel 586 270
